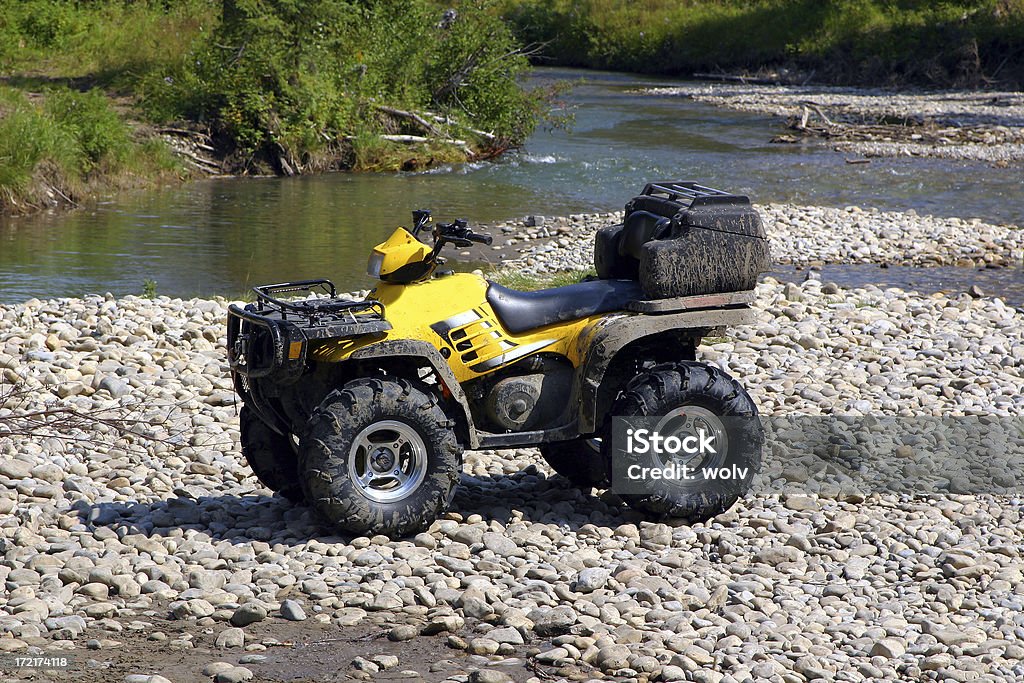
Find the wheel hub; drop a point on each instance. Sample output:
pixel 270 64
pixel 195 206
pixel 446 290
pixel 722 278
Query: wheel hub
pixel 692 421
pixel 383 459
pixel 388 461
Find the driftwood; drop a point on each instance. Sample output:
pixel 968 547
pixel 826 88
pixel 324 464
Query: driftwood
pixel 29 418
pixel 490 137
pixel 183 132
pixel 420 119
pixel 415 139
pixel 734 78
pixel 812 121
pixel 421 139
pixel 436 128
pixel 198 160
pixel 816 123
pixel 819 112
pixel 189 145
pixel 282 160
pixel 805 116
pixel 412 116
pixel 66 198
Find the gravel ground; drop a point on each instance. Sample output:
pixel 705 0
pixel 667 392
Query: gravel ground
pixel 805 235
pixel 151 549
pixel 971 125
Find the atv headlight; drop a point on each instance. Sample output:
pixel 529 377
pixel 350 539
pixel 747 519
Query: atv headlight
pixel 373 266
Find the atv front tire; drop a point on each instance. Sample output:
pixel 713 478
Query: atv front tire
pixel 379 457
pixel 581 461
pixel 707 396
pixel 271 455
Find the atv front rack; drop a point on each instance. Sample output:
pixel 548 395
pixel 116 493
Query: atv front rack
pixel 272 334
pixel 320 316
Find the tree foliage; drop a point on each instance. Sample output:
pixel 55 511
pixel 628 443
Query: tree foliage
pixel 294 76
pixel 954 42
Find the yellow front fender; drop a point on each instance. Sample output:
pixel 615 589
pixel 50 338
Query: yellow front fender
pixel 451 313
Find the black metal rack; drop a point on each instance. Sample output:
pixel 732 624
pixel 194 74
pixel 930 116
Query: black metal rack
pixel 319 317
pixel 271 335
pixel 691 194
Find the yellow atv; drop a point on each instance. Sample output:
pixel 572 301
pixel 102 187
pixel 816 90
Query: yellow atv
pixel 363 408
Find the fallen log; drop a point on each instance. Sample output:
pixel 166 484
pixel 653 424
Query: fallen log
pixel 490 137
pixel 735 78
pixel 418 139
pixel 198 160
pixel 183 132
pixel 414 117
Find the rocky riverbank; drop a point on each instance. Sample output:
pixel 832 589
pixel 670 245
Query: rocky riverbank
pixel 135 538
pixel 800 236
pixel 971 125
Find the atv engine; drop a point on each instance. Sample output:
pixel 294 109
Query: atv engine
pixel 532 394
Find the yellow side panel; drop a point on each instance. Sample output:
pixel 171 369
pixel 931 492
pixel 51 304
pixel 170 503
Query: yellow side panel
pixel 451 313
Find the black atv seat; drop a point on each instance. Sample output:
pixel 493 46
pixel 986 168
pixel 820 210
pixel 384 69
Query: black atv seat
pixel 522 311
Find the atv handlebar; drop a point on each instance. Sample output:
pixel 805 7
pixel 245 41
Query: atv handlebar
pixel 457 232
pixel 479 237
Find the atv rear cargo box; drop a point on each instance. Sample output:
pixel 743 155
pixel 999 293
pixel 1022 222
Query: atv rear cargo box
pixel 680 238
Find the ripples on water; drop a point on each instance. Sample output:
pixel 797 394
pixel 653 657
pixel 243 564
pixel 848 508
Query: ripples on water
pixel 221 236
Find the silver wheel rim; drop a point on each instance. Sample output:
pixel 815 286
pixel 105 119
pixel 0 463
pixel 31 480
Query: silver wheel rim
pixel 690 421
pixel 387 461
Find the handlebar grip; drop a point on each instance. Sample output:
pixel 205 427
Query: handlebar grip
pixel 481 238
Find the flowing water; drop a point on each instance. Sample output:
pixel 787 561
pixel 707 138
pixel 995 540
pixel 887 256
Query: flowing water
pixel 221 236
pixel 1007 283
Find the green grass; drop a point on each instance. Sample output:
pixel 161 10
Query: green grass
pixel 371 153
pixel 60 145
pixel 954 42
pixel 31 144
pixel 68 126
pixel 284 80
pixel 281 85
pixel 102 42
pixel 515 279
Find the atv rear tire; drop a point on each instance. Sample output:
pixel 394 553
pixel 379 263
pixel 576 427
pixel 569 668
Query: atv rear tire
pixel 710 394
pixel 380 457
pixel 581 461
pixel 271 456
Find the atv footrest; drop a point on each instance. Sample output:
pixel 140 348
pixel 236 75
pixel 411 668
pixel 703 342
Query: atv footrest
pixel 692 303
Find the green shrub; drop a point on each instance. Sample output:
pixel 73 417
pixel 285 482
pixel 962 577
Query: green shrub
pixel 30 144
pixel 290 76
pixel 42 23
pixel 107 41
pixel 958 42
pixel 471 71
pixel 99 133
pixel 296 81
pixel 67 143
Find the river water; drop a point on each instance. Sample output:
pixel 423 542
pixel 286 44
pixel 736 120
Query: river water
pixel 221 236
